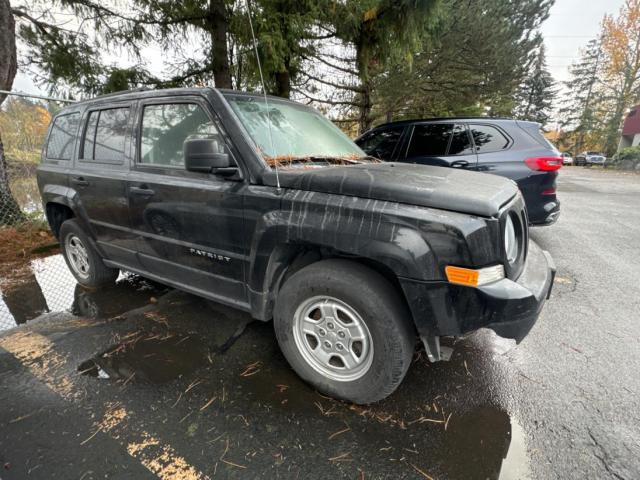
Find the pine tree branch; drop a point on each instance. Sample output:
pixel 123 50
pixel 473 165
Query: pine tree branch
pixel 326 101
pixel 320 58
pixel 332 84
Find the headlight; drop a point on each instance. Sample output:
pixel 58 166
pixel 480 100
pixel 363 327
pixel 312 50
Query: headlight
pixel 511 246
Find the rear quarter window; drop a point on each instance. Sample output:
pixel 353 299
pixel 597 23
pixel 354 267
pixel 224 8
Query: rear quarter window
pixel 62 138
pixel 488 139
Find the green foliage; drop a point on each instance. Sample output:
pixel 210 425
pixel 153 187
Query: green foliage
pixel 472 64
pixel 627 158
pixel 536 94
pixel 583 108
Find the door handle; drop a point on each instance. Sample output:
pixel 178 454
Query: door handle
pixel 80 181
pixel 460 164
pixel 142 190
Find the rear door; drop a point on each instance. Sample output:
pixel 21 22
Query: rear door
pixel 189 224
pixel 99 178
pixel 445 144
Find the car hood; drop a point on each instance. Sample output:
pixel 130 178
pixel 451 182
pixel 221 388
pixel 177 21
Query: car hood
pixel 427 186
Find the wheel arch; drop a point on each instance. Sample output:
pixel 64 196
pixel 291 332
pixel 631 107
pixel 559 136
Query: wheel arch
pixel 287 259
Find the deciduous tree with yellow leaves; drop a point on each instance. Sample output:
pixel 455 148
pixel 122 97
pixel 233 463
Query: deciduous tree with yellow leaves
pixel 621 49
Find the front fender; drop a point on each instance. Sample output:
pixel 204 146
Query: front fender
pixel 412 242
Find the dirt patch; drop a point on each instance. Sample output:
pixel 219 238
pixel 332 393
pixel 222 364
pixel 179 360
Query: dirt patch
pixel 19 245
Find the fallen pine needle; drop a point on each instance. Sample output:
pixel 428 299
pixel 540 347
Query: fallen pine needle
pixel 193 384
pixel 207 404
pixel 251 369
pixel 421 472
pixel 179 397
pixel 233 464
pixel 128 379
pixel 424 419
pixel 333 435
pixel 340 457
pixel 92 435
pixel 446 423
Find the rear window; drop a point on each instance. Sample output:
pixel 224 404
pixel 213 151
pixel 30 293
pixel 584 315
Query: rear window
pixel 381 143
pixel 488 139
pixel 62 138
pixel 105 135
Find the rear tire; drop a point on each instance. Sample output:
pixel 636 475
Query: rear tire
pixel 345 330
pixel 83 260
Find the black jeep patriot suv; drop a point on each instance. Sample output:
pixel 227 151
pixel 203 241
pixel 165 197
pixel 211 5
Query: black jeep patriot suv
pixel 264 205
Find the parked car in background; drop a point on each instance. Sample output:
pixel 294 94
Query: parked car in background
pixel 353 259
pixel 567 159
pixel 590 158
pixel 510 148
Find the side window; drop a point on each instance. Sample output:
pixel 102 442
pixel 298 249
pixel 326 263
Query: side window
pixel 460 142
pixel 63 137
pixel 381 143
pixel 488 139
pixel 166 127
pixel 105 135
pixel 430 140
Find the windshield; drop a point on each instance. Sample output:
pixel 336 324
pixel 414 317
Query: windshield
pixel 301 136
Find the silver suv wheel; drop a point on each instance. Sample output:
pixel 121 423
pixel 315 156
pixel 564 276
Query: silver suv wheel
pixel 332 338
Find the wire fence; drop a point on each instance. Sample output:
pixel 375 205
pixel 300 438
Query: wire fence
pixel 34 278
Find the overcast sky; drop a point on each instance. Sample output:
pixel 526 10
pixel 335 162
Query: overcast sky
pixel 571 24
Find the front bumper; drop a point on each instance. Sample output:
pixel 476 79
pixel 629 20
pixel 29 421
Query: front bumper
pixel 508 307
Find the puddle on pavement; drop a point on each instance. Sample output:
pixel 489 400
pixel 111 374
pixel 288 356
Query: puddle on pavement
pixel 148 359
pixel 486 443
pixel 48 286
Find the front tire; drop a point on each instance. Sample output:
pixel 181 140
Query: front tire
pixel 345 330
pixel 82 258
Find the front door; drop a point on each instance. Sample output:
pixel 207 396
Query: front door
pixel 189 224
pixel 441 144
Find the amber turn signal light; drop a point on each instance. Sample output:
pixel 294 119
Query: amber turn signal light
pixel 472 277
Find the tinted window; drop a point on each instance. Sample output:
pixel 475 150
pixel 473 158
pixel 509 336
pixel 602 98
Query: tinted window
pixel 166 127
pixel 105 135
pixel 488 139
pixel 63 137
pixel 460 141
pixel 430 140
pixel 381 143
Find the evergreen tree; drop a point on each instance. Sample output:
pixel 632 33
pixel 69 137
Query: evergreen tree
pixel 368 36
pixel 581 111
pixel 536 94
pixel 472 65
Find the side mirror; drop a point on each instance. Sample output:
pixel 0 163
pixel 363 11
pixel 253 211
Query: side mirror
pixel 203 155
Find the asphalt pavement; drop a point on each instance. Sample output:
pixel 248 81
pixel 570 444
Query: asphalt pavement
pixel 140 381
